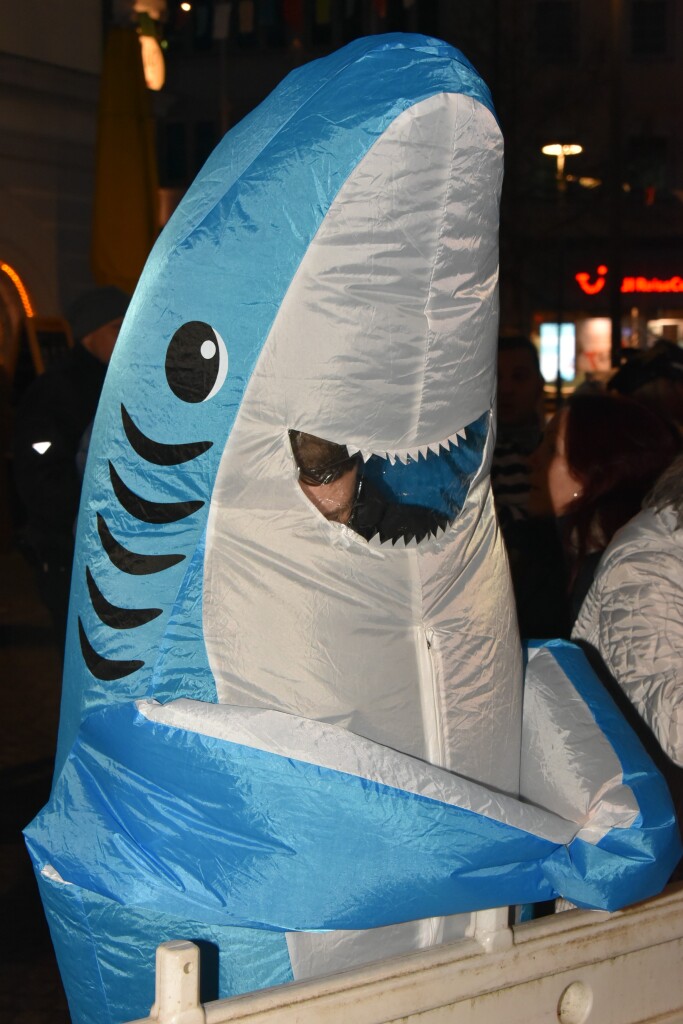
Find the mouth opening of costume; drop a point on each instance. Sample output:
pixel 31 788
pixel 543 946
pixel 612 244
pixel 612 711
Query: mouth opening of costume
pixel 404 495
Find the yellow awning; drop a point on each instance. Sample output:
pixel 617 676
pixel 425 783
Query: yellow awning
pixel 125 215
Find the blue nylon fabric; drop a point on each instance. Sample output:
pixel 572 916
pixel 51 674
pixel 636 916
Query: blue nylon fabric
pixel 437 482
pixel 625 867
pixel 638 769
pixel 227 257
pixel 168 820
pixel 653 839
pixel 106 954
pixel 183 641
pixel 175 821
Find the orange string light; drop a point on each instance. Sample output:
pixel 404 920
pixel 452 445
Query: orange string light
pixel 20 287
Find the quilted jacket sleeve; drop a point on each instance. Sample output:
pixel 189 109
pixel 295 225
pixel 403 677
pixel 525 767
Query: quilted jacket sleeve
pixel 633 616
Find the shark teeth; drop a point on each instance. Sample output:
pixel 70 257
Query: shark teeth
pixel 408 455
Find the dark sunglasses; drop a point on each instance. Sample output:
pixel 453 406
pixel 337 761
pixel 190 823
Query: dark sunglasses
pixel 315 476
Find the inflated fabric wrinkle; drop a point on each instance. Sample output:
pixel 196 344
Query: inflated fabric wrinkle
pixel 101 667
pixel 256 554
pixel 115 616
pixel 93 793
pixel 167 808
pixel 157 453
pixel 102 988
pixel 190 241
pixel 436 263
pixel 293 738
pixel 173 487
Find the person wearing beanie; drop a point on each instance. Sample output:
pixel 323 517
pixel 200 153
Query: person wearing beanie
pixel 51 420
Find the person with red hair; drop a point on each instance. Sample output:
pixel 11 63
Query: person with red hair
pixel 599 457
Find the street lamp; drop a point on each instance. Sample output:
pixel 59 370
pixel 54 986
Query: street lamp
pixel 561 150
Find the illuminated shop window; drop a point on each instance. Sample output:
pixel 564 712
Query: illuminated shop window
pixel 667 329
pixel 594 346
pixel 558 340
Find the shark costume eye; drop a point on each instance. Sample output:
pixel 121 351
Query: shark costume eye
pixel 196 362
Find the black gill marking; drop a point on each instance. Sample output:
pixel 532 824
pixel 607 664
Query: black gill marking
pixel 146 511
pixel 111 615
pixel 156 452
pixel 132 562
pixel 104 668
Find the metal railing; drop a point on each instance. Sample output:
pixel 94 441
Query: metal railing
pixel 576 967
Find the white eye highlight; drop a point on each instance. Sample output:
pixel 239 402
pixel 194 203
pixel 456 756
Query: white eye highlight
pixel 216 350
pixel 41 446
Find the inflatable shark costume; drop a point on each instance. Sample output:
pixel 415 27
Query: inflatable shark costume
pixel 272 726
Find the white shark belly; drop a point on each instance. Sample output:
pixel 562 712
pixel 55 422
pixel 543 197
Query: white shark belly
pixel 414 647
pixel 305 616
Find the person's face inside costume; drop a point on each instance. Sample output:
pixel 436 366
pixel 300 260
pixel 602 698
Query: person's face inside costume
pixel 327 476
pixel 553 485
pixel 520 388
pixel 335 500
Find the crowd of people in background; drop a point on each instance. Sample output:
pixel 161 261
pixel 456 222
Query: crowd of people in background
pixel 590 503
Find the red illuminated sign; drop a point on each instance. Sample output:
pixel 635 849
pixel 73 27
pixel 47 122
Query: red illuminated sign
pixel 652 284
pixel 592 287
pixel 641 285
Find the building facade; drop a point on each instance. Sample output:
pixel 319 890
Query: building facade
pixel 600 241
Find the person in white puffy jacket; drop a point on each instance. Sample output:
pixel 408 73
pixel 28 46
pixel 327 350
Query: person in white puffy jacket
pixel 633 613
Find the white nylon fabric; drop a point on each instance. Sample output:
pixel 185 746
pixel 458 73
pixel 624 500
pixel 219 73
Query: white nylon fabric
pixel 313 954
pixel 385 341
pixel 385 337
pixel 567 762
pixel 329 746
pixel 331 627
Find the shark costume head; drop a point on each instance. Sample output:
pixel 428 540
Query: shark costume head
pixel 333 270
pixel 270 723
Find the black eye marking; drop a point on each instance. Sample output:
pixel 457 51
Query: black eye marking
pixel 154 451
pixel 104 668
pixel 113 616
pixel 132 562
pixel 196 362
pixel 150 511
